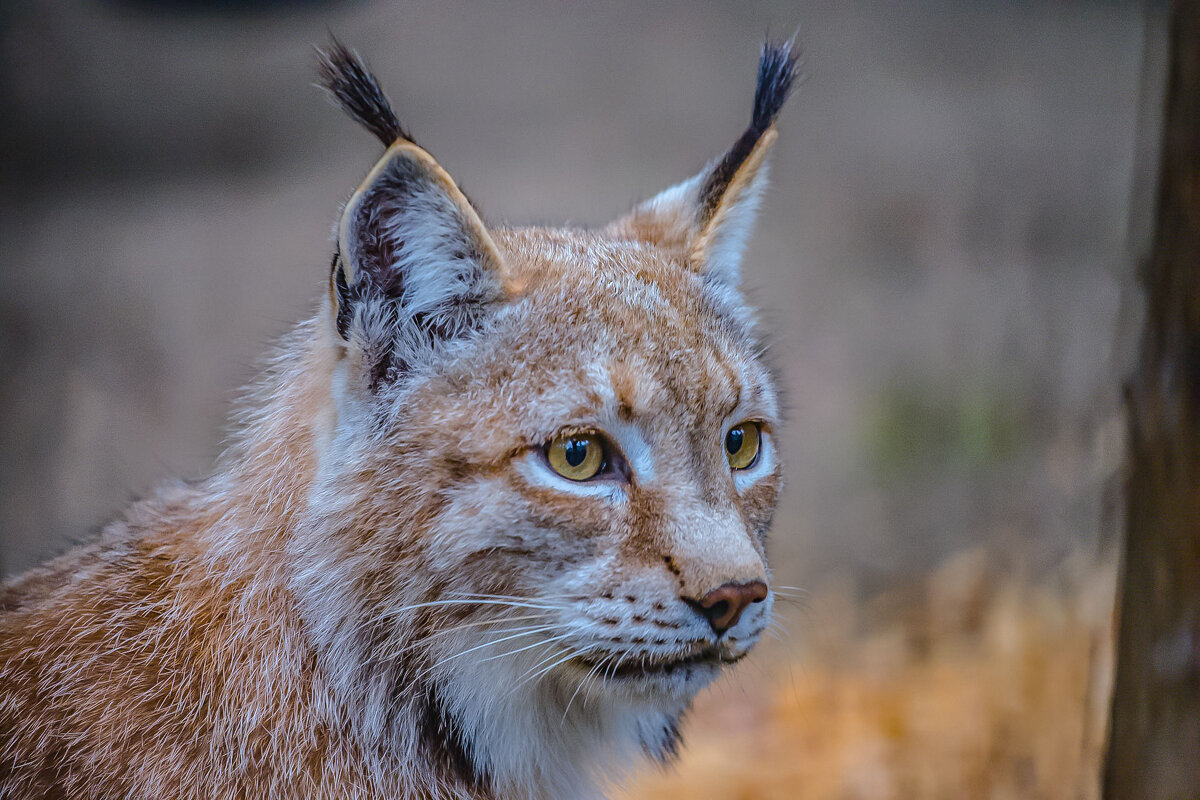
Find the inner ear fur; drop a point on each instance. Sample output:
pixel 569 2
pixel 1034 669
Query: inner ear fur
pixel 404 177
pixel 408 235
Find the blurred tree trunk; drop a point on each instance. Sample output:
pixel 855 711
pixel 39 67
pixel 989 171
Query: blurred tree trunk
pixel 1154 744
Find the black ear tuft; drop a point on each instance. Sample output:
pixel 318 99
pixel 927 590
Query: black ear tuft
pixel 348 81
pixel 777 71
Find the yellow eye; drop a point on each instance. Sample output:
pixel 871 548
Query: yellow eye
pixel 577 456
pixel 741 444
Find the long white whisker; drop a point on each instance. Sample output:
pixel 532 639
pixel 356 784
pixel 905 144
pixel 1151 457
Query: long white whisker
pixel 391 612
pixel 479 623
pixel 590 674
pixel 425 640
pixel 526 647
pixel 553 654
pixel 529 674
pixel 620 660
pixel 489 643
pixel 482 596
pixel 570 654
pixel 777 628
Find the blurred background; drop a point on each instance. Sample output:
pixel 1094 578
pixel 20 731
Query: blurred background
pixel 945 263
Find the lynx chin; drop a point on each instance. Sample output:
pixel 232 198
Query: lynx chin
pixel 490 520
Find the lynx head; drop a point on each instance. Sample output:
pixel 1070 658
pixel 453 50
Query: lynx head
pixel 548 466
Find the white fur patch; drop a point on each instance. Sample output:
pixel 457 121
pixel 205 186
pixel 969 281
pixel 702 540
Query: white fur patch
pixel 538 473
pixel 636 449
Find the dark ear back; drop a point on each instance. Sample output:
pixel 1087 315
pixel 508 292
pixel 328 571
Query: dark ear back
pixel 415 263
pixel 709 216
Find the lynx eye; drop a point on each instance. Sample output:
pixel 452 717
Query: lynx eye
pixel 576 456
pixel 742 443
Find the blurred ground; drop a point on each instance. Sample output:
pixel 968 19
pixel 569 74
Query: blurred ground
pixel 944 260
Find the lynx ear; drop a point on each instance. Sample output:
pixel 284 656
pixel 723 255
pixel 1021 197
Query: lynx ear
pixel 709 217
pixel 413 256
pixel 409 235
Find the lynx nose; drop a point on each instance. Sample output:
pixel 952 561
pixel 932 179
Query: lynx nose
pixel 724 605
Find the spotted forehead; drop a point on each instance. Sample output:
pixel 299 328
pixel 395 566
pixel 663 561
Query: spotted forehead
pixel 647 330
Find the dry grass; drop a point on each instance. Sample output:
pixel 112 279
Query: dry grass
pixel 961 687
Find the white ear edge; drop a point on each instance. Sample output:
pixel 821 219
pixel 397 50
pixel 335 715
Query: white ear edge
pixel 442 187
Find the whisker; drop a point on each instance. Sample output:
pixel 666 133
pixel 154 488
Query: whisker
pixel 489 643
pixel 552 655
pixel 569 654
pixel 479 623
pixel 467 602
pixel 526 647
pixel 591 672
pixel 483 596
pixel 775 626
pixel 617 665
pixel 425 640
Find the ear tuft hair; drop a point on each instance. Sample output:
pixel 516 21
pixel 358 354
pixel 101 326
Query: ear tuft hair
pixel 352 86
pixel 777 72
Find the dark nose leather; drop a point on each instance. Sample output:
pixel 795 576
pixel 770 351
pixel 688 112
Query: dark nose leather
pixel 724 605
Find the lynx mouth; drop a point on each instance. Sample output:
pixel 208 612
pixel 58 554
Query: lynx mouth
pixel 649 667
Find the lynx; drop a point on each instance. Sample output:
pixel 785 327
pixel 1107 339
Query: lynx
pixel 490 520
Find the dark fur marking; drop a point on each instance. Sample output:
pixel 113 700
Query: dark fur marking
pixel 344 297
pixel 777 70
pixel 352 86
pixel 445 746
pixel 666 749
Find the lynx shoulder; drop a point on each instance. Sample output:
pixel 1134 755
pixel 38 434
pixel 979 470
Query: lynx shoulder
pixel 492 517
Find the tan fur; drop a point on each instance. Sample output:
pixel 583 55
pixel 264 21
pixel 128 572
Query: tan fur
pixel 335 612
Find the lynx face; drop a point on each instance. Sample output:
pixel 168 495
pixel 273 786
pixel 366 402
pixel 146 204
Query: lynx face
pixel 589 432
pixel 545 481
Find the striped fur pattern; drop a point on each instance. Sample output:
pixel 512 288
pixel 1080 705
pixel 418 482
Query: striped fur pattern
pixel 383 590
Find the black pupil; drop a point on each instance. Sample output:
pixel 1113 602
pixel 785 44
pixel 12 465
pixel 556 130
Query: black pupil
pixel 575 451
pixel 734 439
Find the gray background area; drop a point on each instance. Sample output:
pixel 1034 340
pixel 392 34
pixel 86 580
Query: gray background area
pixel 944 259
